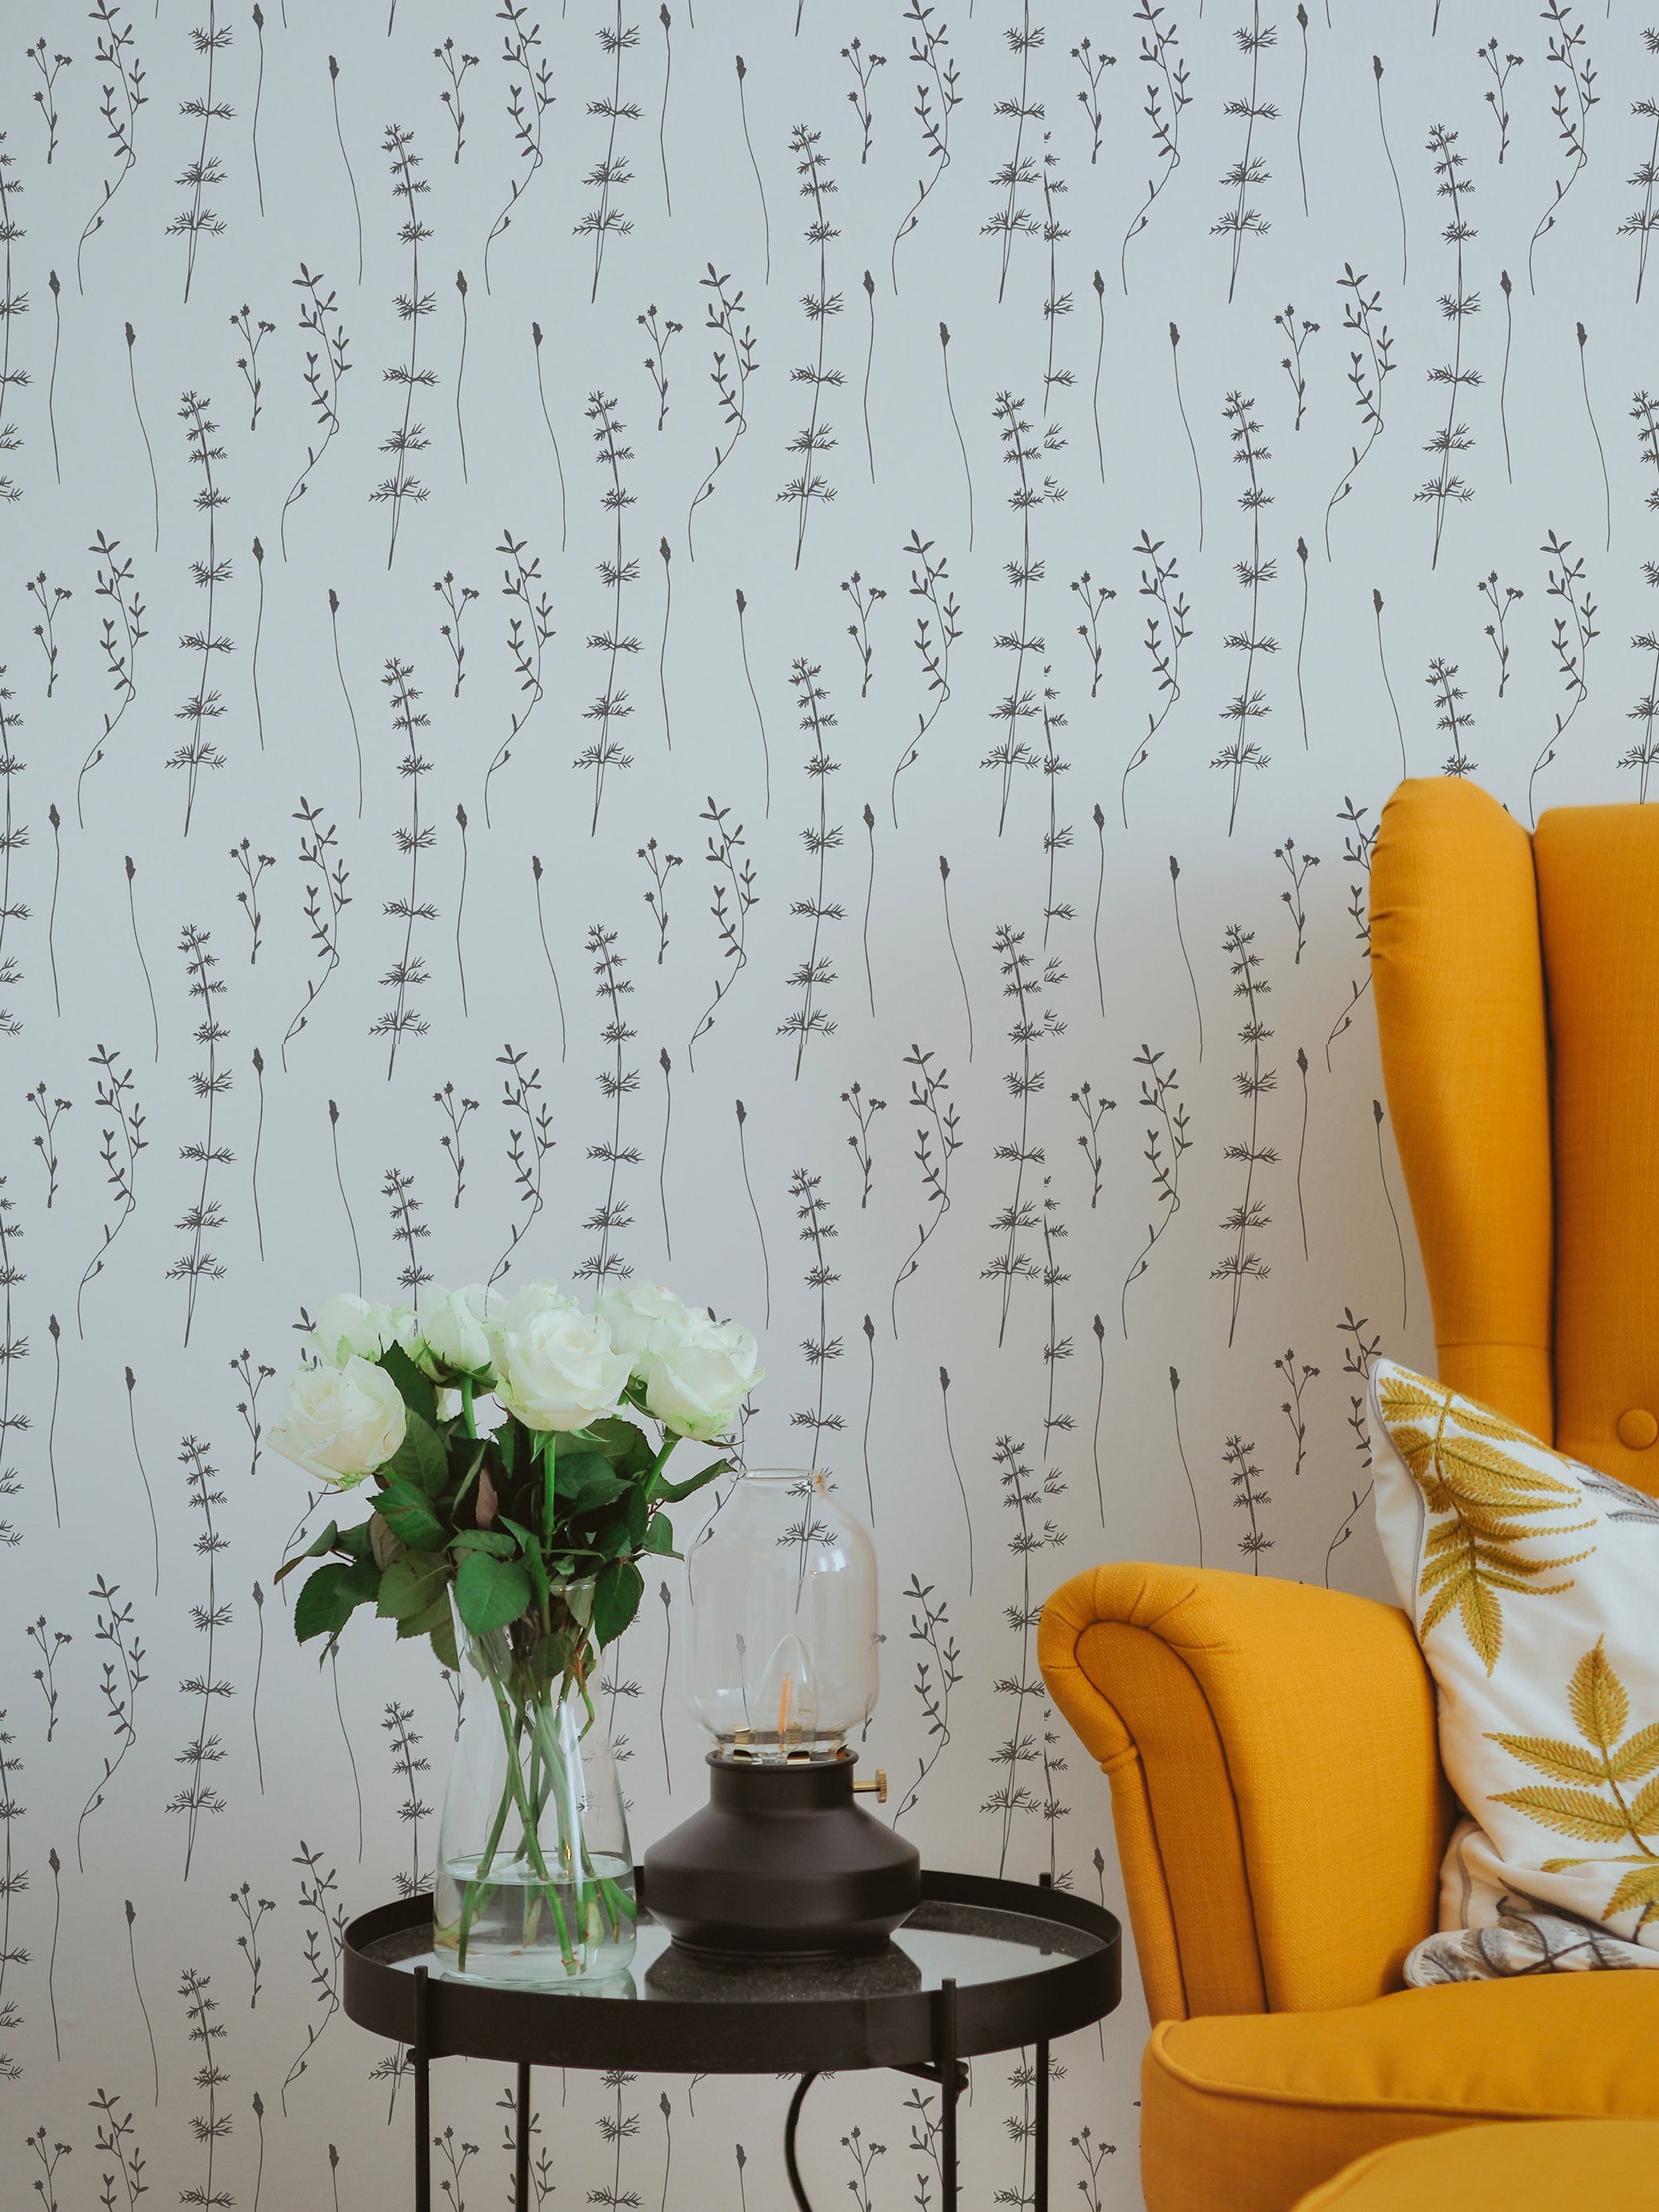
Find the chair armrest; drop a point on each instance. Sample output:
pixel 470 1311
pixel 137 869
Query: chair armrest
pixel 1276 1786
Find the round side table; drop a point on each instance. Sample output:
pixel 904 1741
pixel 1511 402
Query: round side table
pixel 981 1965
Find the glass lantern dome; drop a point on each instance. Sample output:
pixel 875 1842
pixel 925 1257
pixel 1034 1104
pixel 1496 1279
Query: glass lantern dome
pixel 781 1660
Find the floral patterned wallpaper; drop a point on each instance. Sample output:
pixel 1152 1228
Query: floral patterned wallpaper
pixel 759 645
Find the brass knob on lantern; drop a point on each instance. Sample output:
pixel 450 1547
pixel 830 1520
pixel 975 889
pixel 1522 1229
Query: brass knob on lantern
pixel 877 1782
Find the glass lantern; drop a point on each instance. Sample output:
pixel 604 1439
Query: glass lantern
pixel 781 1660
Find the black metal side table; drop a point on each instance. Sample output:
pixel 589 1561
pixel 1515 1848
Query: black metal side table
pixel 981 1965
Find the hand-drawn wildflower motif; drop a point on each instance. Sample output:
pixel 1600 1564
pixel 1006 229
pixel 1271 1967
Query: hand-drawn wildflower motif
pixel 1011 218
pixel 1248 703
pixel 413 307
pixel 808 484
pixel 1239 220
pixel 409 971
pixel 530 95
pixel 1026 984
pixel 1024 449
pixel 205 1750
pixel 616 1083
pixel 1242 1262
pixel 206 704
pixel 116 50
pixel 1566 47
pixel 814 973
pixel 608 176
pixel 205 1216
pixel 201 175
pixel 325 366
pixel 937 97
pixel 734 895
pixel 817 1230
pixel 1447 485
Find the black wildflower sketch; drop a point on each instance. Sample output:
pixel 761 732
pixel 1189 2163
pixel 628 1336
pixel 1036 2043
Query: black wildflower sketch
pixel 254 331
pixel 662 336
pixel 117 2138
pixel 454 65
pixel 607 753
pixel 48 1113
pixel 325 1949
pixel 1242 1262
pixel 937 631
pixel 258 93
pixel 939 1139
pixel 13 839
pixel 734 364
pixel 616 1082
pixel 1383 1176
pixel 1645 413
pixel 50 600
pixel 1167 631
pixel 115 49
pixel 529 1140
pixel 408 1767
pixel 808 484
pixel 252 1910
pixel 1500 600
pixel 1248 703
pixel 409 971
pixel 1601 451
pixel 661 865
pixel 1359 1355
pixel 536 872
pixel 1572 103
pixel 1240 219
pixel 409 1232
pixel 1642 222
pixel 734 895
pixel 1094 66
pixel 1502 68
pixel 530 95
pixel 863 67
pixel 1057 837
pixel 1296 336
pixel 457 599
pixel 205 1216
pixel 1011 218
pixel 206 704
pixel 937 1675
pixel 1297 866
pixel 1451 718
pixel 937 96
pixel 1167 1143
pixel 866 597
pixel 1032 1026
pixel 49 1643
pixel 1370 366
pixel 1094 1110
pixel 1447 485
pixel 1026 1496
pixel 339 139
pixel 119 643
pixel 14 1882
pixel 413 307
pixel 864 1109
pixel 1357 842
pixel 454 1109
pixel 818 1230
pixel 119 1149
pixel 325 366
pixel 821 838
pixel 962 443
pixel 611 172
pixel 760 188
pixel 1167 95
pixel 529 629
pixel 325 899
pixel 13 304
pixel 1023 448
pixel 1570 643
pixel 1095 597
pixel 345 688
pixel 1245 1477
pixel 201 175
pixel 1056 304
pixel 1297 1378
pixel 252 865
pixel 205 1750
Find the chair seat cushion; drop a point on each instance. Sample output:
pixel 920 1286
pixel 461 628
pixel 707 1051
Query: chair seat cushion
pixel 1611 2164
pixel 1246 2113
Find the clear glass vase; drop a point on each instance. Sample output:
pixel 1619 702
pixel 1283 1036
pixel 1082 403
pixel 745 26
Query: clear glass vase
pixel 535 1876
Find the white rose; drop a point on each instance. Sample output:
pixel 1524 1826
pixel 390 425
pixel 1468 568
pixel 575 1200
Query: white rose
pixel 554 1367
pixel 696 1384
pixel 339 1423
pixel 451 1331
pixel 348 1328
pixel 515 1312
pixel 641 1316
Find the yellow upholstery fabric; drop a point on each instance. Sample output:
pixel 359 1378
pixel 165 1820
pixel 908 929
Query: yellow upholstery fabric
pixel 1458 971
pixel 1247 2115
pixel 1598 898
pixel 1546 2166
pixel 1227 1709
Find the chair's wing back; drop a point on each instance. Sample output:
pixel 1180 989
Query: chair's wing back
pixel 1458 970
pixel 1598 896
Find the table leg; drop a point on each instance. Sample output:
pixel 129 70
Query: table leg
pixel 521 2145
pixel 1041 2192
pixel 945 2053
pixel 789 2127
pixel 423 2097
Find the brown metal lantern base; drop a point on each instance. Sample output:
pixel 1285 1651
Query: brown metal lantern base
pixel 782 1862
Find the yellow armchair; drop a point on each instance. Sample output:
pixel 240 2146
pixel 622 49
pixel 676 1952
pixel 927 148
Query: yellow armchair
pixel 1276 1788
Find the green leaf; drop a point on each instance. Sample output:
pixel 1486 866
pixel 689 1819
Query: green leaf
pixel 408 1515
pixel 314 1550
pixel 623 1442
pixel 506 1443
pixel 674 1492
pixel 484 1540
pixel 442 1633
pixel 659 1536
pixel 384 1546
pixel 412 1585
pixel 636 1513
pixel 617 1597
pixel 535 1565
pixel 587 1480
pixel 490 1592
pixel 417 1392
pixel 331 1595
pixel 424 1622
pixel 421 1458
pixel 356 1543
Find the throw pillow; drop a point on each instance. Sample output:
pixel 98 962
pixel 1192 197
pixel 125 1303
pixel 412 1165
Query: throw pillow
pixel 1530 1579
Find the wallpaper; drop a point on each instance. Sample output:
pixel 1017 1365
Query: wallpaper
pixel 758 646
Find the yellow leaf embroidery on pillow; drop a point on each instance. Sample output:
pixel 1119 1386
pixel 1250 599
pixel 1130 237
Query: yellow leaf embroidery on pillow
pixel 1601 1709
pixel 1452 1450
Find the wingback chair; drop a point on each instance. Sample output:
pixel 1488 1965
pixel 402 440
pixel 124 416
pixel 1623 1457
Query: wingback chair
pixel 1276 1787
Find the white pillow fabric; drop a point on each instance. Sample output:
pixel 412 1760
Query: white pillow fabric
pixel 1533 1583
